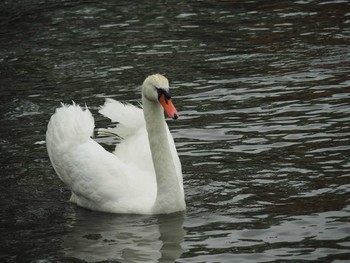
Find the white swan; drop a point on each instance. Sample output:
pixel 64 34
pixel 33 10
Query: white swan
pixel 143 174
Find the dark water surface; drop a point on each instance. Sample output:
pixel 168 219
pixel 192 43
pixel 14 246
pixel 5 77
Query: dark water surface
pixel 263 89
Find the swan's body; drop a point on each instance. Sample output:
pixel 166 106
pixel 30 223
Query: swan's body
pixel 142 176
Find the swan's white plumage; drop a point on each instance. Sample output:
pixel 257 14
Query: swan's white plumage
pixel 129 117
pixel 124 181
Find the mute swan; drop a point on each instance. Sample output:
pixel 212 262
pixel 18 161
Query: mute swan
pixel 143 174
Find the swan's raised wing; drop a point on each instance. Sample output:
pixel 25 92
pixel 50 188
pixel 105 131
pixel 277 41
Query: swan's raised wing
pixel 131 128
pixel 130 118
pixel 134 147
pixel 99 180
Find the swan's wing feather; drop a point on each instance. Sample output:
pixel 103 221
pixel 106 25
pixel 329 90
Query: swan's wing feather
pixel 73 154
pixel 105 183
pixel 68 127
pixel 98 179
pixel 129 117
pixel 70 124
pixel 131 128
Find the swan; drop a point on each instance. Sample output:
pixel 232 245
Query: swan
pixel 143 174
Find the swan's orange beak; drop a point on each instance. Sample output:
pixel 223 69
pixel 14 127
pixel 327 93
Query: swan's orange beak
pixel 168 107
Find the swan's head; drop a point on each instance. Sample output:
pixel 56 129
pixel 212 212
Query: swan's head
pixel 156 89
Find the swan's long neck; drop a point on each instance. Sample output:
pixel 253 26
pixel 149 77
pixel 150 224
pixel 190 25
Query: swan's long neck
pixel 169 193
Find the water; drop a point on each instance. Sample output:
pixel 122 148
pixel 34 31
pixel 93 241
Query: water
pixel 264 135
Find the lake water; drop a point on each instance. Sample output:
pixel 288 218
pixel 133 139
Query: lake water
pixel 263 91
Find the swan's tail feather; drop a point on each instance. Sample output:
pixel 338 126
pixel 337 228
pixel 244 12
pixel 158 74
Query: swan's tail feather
pixel 129 117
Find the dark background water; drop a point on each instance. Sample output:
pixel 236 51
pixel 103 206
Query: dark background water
pixel 263 89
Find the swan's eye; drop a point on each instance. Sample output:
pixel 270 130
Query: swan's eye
pixel 163 92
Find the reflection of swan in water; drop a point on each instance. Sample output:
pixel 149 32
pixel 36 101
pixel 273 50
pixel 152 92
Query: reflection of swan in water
pixel 124 238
